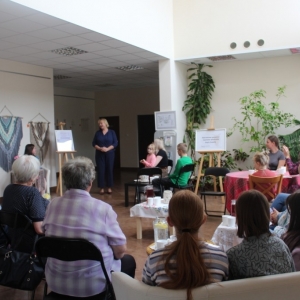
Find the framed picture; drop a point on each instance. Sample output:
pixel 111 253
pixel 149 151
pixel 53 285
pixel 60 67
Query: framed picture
pixel 210 140
pixel 165 120
pixel 64 140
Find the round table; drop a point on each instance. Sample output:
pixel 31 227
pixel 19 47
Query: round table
pixel 237 182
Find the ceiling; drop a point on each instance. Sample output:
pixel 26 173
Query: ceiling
pixel 29 36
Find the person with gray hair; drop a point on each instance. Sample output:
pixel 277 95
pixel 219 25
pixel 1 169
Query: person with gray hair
pixel 23 197
pixel 78 215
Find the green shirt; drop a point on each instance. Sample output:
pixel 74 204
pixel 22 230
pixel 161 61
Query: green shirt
pixel 184 177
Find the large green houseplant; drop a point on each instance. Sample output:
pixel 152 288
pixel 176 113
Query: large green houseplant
pixel 197 105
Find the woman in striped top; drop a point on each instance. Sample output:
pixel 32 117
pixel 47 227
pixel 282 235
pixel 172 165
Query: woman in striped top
pixel 188 262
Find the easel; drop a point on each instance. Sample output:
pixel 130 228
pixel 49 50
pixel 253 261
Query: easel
pixel 62 157
pixel 211 163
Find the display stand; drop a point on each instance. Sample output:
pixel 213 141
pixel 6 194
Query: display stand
pixel 211 163
pixel 62 158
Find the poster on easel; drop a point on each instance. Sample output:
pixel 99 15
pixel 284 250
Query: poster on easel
pixel 64 140
pixel 210 140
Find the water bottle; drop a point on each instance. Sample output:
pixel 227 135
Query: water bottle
pixel 161 234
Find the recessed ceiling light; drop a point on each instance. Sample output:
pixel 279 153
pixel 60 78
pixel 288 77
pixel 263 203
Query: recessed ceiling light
pixel 59 77
pixel 222 57
pixel 130 68
pixel 68 51
pixel 105 85
pixel 295 50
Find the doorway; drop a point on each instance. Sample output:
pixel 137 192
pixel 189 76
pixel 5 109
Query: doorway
pixel 114 124
pixel 146 130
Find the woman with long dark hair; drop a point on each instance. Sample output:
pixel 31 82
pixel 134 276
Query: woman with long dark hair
pixel 292 236
pixel 188 262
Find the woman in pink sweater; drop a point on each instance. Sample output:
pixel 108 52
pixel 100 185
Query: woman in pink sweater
pixel 150 161
pixel 261 162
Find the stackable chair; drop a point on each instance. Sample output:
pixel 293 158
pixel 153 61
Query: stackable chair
pixel 189 186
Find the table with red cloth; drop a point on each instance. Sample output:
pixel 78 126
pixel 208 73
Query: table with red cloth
pixel 237 182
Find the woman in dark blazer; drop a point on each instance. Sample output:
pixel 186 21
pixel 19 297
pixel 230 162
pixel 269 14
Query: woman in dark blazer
pixel 105 141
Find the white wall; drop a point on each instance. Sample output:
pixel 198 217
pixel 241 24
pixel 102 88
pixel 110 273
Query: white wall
pixel 71 106
pixel 206 28
pixel 127 104
pixel 146 24
pixel 28 90
pixel 235 79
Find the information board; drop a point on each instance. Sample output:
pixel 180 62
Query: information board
pixel 64 140
pixel 210 140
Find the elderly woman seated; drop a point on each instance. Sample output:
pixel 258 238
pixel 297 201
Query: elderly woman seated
pixel 23 197
pixel 78 215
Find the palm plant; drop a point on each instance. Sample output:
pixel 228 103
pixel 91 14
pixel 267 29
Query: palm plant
pixel 197 105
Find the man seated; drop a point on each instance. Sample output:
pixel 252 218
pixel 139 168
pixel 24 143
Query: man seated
pixel 170 181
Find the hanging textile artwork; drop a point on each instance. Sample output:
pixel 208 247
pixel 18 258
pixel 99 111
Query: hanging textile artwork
pixel 11 134
pixel 39 136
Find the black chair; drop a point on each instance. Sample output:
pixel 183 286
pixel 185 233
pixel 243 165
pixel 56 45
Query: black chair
pixel 185 169
pixel 140 186
pixel 16 221
pixel 170 166
pixel 217 172
pixel 67 249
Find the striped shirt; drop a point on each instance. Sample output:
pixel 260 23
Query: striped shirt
pixel 214 258
pixel 77 215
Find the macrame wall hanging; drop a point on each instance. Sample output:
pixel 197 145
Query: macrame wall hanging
pixel 11 134
pixel 39 136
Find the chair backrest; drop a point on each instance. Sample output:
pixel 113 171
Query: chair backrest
pixel 15 221
pixel 170 166
pixel 149 172
pixel 269 186
pixel 185 169
pixel 216 171
pixel 67 249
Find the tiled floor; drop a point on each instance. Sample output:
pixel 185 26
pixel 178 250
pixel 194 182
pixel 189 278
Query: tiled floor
pixel 135 247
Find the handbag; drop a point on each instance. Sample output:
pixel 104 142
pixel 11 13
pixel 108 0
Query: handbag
pixel 18 269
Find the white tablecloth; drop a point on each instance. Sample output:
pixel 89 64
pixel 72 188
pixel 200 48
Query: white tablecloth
pixel 142 210
pixel 226 237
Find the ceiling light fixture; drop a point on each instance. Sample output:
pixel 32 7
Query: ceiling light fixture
pixel 130 68
pixel 59 77
pixel 68 51
pixel 222 57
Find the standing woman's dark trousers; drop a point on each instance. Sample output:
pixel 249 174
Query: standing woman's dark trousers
pixel 105 166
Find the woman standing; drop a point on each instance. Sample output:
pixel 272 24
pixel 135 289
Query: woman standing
pixel 105 141
pixel 161 157
pixel 276 157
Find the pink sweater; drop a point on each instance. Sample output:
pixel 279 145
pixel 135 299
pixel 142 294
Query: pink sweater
pixel 150 161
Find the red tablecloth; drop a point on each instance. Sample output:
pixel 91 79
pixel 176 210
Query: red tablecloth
pixel 237 182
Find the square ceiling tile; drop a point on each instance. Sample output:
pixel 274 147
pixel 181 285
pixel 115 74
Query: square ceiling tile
pixel 131 49
pixel 72 41
pixel 145 54
pixel 61 66
pixel 7 45
pixel 65 59
pixel 22 39
pixel 22 25
pixel 96 67
pixel 26 59
pixel 24 50
pixel 72 29
pixel 125 57
pixel 95 36
pixel 87 56
pixel 4 16
pixel 47 46
pixel 7 54
pixel 102 60
pixel 48 34
pixel 110 52
pixel 93 47
pixel 45 19
pixel 6 32
pixel 46 55
pixel 114 43
pixel 82 63
pixel 16 9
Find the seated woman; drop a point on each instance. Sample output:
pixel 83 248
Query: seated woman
pixel 150 161
pixel 261 162
pixel 292 236
pixel 260 253
pixel 277 159
pixel 188 262
pixel 161 157
pixel 30 150
pixel 22 197
pixel 78 215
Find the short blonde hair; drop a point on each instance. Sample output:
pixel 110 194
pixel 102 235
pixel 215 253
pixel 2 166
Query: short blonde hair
pixel 183 147
pixel 26 168
pixel 103 120
pixel 261 158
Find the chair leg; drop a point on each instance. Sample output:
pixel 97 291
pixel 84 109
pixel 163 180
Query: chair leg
pixel 45 289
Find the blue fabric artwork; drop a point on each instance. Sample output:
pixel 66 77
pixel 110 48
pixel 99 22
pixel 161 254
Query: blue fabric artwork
pixel 11 134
